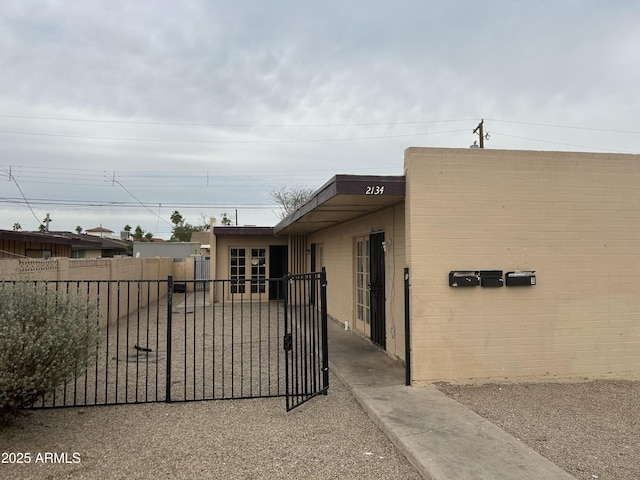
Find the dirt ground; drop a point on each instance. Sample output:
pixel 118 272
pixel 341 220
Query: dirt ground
pixel 330 437
pixel 217 356
pixel 591 429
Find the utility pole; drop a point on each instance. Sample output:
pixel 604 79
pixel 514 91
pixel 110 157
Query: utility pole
pixel 46 222
pixel 480 131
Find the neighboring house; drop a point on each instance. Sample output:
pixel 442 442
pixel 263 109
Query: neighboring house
pixel 101 232
pixel 451 229
pixel 175 250
pixel 38 245
pixel 88 246
pixel 57 244
pixel 203 238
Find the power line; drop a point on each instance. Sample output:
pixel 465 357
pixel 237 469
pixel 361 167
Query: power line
pixel 142 204
pixel 243 125
pixel 25 199
pixel 117 204
pixel 592 129
pixel 170 179
pixel 557 143
pixel 217 141
pixel 303 125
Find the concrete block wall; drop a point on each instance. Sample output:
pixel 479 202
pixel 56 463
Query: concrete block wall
pixel 123 297
pixel 119 268
pixel 574 218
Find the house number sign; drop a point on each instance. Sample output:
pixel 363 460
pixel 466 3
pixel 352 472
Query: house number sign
pixel 374 190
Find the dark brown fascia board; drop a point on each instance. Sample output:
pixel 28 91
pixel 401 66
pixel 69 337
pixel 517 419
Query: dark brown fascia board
pixel 42 238
pixel 343 185
pixel 242 230
pixel 90 241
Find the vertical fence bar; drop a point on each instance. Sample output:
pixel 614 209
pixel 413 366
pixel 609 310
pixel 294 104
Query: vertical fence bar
pixel 286 344
pixel 304 309
pixel 126 347
pixel 169 320
pixel 146 343
pixel 324 332
pixel 106 356
pixel 117 339
pixel 158 296
pixel 407 329
pixel 195 328
pixel 222 327
pixel 138 340
pixel 95 396
pixel 214 287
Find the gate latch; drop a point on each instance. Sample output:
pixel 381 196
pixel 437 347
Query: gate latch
pixel 288 343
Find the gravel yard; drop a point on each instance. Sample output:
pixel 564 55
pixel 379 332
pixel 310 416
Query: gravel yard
pixel 591 430
pixel 330 437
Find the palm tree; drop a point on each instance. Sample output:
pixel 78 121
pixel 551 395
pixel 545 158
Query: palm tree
pixel 176 218
pixel 16 227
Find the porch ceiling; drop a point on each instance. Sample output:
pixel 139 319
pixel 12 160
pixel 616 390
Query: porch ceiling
pixel 343 198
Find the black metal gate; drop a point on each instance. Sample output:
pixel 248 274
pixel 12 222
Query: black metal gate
pixel 305 338
pixel 166 341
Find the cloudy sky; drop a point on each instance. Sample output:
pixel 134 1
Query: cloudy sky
pixel 119 112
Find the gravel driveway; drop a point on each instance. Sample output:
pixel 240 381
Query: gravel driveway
pixel 330 437
pixel 591 430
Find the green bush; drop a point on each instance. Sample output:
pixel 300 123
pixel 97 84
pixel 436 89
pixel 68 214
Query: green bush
pixel 46 336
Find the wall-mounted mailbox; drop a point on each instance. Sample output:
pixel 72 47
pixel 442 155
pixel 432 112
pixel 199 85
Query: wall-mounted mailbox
pixel 463 278
pixel 491 278
pixel 516 279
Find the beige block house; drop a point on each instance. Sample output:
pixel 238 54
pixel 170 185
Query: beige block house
pixel 572 218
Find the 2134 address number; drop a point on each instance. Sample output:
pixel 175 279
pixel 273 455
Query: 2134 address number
pixel 374 190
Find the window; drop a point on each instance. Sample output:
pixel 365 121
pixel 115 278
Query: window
pixel 258 270
pixel 238 270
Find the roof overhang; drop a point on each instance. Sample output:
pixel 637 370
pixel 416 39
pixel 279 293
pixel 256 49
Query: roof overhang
pixel 341 199
pixel 44 238
pixel 242 230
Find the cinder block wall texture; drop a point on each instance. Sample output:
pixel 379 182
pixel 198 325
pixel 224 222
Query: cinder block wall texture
pixel 574 218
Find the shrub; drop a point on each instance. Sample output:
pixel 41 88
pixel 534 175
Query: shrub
pixel 46 336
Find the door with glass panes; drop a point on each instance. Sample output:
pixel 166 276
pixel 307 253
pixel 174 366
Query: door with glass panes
pixel 362 311
pixel 248 270
pixel 370 287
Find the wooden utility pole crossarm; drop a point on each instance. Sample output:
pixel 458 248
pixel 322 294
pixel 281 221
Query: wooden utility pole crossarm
pixel 480 132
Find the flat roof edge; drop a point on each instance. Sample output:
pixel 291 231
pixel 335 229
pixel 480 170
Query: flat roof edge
pixel 222 230
pixel 339 184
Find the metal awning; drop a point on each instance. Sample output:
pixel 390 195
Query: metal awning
pixel 343 198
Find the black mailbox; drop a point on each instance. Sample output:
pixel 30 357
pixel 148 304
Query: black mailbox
pixel 517 279
pixel 491 278
pixel 463 278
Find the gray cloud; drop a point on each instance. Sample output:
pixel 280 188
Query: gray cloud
pixel 239 66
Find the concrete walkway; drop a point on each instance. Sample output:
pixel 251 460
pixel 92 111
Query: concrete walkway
pixel 443 439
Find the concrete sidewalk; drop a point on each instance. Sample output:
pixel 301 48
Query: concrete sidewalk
pixel 443 439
